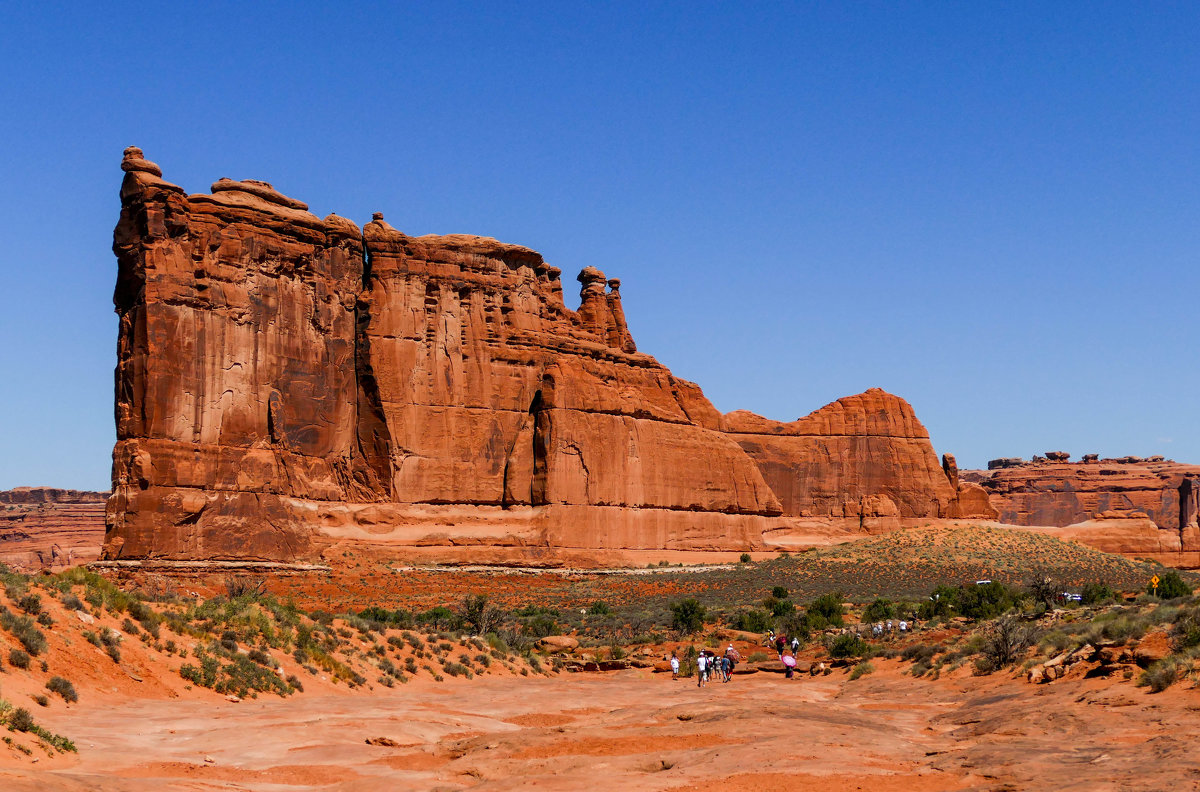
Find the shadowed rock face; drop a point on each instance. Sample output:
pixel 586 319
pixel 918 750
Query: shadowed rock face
pixel 286 381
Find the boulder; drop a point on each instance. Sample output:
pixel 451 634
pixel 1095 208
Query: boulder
pixel 1151 648
pixel 558 643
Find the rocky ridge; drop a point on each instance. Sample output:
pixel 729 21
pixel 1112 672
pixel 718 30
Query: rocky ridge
pixel 1131 505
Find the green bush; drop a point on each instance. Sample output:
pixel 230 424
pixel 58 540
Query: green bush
pixel 687 616
pixel 1096 592
pixel 979 601
pixel 848 645
pixel 879 610
pixel 599 608
pixel 1161 675
pixel 20 720
pixel 779 592
pixel 31 603
pixel 825 611
pixel 745 558
pixel 751 620
pixel 23 629
pixel 862 669
pixel 18 658
pixel 1170 586
pixel 63 688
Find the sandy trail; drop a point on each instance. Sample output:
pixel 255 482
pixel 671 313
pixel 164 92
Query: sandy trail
pixel 634 730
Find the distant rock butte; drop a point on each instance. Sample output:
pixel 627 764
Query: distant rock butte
pixel 288 386
pixel 50 528
pixel 1145 507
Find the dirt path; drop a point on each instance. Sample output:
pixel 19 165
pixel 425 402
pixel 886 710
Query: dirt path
pixel 634 730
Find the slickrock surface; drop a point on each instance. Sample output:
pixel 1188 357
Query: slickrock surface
pixel 1129 505
pixel 634 730
pixel 49 528
pixel 286 383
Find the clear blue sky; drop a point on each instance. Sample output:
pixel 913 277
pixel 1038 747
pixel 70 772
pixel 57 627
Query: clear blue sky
pixel 992 210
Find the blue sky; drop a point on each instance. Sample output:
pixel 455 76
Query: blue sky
pixel 992 210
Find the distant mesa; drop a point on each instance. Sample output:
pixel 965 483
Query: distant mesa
pixel 289 387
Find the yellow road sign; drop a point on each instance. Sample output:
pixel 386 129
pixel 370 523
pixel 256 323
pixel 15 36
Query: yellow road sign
pixel 1154 581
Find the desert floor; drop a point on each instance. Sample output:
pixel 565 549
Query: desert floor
pixel 638 730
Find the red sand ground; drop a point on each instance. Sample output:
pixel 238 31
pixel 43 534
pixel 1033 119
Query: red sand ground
pixel 637 730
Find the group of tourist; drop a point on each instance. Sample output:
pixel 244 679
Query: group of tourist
pixel 710 665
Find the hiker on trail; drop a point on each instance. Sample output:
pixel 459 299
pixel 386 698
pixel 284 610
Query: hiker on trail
pixel 701 670
pixel 674 666
pixel 903 627
pixel 726 667
pixel 795 644
pixel 780 642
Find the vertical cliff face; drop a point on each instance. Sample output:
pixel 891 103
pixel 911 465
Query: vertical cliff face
pixel 286 381
pixel 237 381
pixel 494 393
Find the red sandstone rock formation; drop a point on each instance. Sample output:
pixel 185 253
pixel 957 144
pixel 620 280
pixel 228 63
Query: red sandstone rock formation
pixel 45 528
pixel 1129 505
pixel 286 381
pixel 864 456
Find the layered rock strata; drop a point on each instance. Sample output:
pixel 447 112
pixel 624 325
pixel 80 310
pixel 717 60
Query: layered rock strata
pixel 46 528
pixel 285 382
pixel 1131 505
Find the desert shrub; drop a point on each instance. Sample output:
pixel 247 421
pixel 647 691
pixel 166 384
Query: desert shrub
pixel 398 618
pixel 687 616
pixel 1005 639
pixel 825 611
pixel 779 592
pixel 599 608
pixel 480 615
pixel 848 645
pixel 1161 675
pixel 63 688
pixel 23 629
pixel 20 720
pixel 980 601
pixel 260 657
pixel 879 610
pixel 919 653
pixel 1124 627
pixel 457 669
pixel 1170 586
pixel 30 603
pixel 71 602
pixel 862 669
pixel 239 586
pixel 129 627
pixel 18 658
pixel 744 558
pixel 439 618
pixel 1186 631
pixel 751 620
pixel 1043 588
pixel 1096 592
pixel 237 675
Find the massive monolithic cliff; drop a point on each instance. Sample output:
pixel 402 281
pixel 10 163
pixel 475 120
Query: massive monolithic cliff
pixel 286 383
